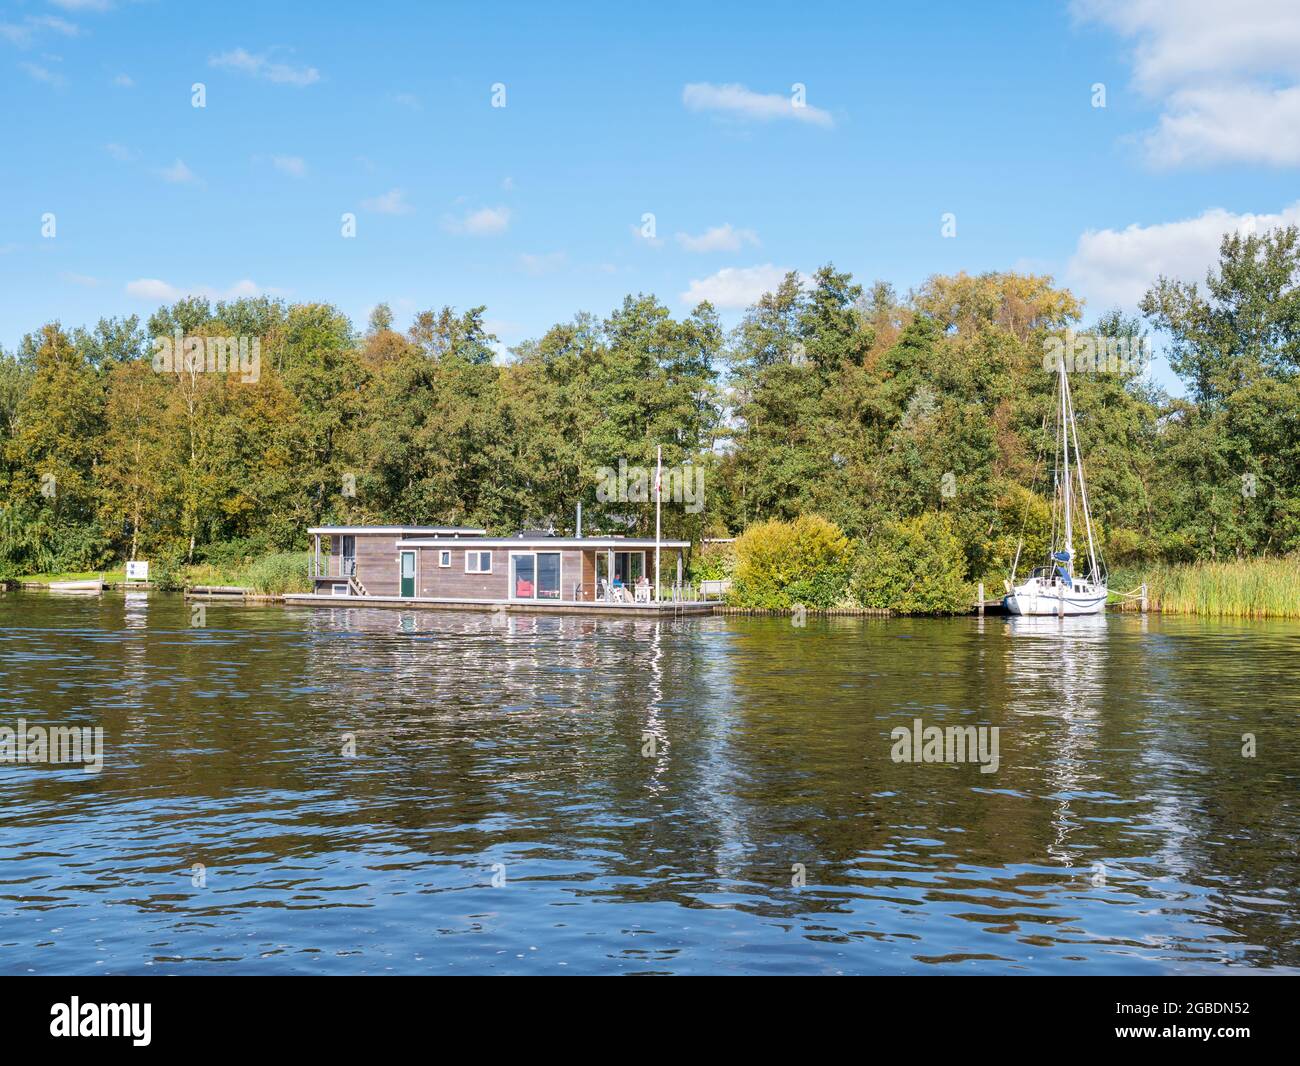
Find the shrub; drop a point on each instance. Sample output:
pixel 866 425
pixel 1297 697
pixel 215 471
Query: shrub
pixel 166 569
pixel 780 564
pixel 274 575
pixel 239 551
pixel 915 566
pixel 1025 522
pixel 713 562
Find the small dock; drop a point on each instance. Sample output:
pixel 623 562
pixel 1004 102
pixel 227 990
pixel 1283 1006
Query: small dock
pixel 228 594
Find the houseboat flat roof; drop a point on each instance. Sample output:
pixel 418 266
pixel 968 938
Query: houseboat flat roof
pixel 402 531
pixel 544 542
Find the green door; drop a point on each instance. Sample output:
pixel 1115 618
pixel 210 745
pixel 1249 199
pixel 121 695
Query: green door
pixel 408 574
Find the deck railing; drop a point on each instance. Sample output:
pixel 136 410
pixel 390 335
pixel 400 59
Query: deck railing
pixel 686 592
pixel 334 566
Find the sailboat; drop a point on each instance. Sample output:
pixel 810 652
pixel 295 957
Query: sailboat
pixel 1058 588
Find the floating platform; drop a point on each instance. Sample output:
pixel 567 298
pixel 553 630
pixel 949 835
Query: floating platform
pixel 652 609
pixel 95 585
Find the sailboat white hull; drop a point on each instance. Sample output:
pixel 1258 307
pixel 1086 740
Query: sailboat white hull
pixel 1035 599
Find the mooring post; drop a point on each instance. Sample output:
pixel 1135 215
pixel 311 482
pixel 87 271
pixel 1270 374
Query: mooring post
pixel 1144 597
pixel 981 602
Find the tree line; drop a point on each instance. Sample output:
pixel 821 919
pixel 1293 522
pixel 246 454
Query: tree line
pixel 830 398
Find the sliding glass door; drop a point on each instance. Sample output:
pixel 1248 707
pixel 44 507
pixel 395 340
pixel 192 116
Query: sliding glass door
pixel 628 566
pixel 523 577
pixel 535 575
pixel 548 575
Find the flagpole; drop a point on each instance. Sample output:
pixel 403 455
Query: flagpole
pixel 659 499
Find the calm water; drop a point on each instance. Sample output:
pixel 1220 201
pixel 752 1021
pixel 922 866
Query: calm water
pixel 1123 831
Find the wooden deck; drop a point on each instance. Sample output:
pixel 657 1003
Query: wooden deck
pixel 652 609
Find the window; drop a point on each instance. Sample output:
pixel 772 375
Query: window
pixel 628 567
pixel 478 562
pixel 535 575
pixel 524 574
pixel 444 558
pixel 548 575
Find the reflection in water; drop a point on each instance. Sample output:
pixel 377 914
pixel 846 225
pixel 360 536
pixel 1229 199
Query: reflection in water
pixel 521 740
pixel 1056 668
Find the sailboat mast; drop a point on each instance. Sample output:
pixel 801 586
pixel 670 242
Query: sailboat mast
pixel 1083 487
pixel 1065 484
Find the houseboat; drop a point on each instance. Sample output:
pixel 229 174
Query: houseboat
pixel 464 567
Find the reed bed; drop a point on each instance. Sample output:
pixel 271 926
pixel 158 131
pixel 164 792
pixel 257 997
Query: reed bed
pixel 267 575
pixel 1247 588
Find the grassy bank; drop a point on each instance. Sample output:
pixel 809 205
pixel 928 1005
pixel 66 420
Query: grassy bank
pixel 80 575
pixel 1249 588
pixel 267 575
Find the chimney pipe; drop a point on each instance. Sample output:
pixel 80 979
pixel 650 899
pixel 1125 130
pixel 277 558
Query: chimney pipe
pixel 577 532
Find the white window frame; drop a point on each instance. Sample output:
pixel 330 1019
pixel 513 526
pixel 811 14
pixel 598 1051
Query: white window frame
pixel 478 553
pixel 444 558
pixel 534 598
pixel 602 556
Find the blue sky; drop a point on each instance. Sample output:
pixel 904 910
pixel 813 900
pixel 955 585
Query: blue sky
pixel 682 111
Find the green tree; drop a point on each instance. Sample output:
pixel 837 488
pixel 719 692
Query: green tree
pixel 916 566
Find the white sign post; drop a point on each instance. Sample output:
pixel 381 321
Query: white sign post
pixel 137 570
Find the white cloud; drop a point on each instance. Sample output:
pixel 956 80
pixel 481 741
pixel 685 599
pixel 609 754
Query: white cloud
pixel 745 103
pixel 154 290
pixel 408 100
pixel 178 173
pixel 485 222
pixel 264 67
pixel 1115 268
pixel 392 202
pixel 119 152
pixel 292 165
pixel 501 327
pixel 735 287
pixel 724 238
pixel 22 33
pixel 537 265
pixel 1227 76
pixel 54 23
pixel 81 279
pixel 1244 124
pixel 82 5
pixel 44 75
pixel 1183 39
pixel 124 81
